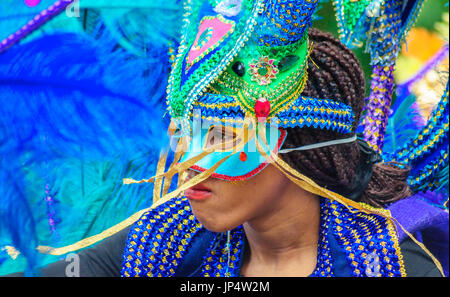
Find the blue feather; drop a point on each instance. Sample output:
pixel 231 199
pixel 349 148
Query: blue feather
pixel 15 13
pixel 56 74
pixel 77 115
pixel 403 124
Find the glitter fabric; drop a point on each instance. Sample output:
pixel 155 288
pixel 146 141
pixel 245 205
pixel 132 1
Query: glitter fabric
pixel 158 241
pixel 378 106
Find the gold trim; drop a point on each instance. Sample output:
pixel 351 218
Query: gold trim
pixel 392 230
pixel 159 169
pixel 216 105
pixel 393 233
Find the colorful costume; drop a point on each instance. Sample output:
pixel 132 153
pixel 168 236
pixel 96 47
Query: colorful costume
pixel 242 65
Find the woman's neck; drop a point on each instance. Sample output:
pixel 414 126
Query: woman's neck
pixel 283 240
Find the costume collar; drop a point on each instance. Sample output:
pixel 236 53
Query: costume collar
pixel 158 241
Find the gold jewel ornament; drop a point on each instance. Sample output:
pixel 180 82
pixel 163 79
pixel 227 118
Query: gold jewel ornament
pixel 263 70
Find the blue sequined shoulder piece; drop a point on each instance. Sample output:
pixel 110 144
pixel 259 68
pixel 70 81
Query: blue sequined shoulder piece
pixel 369 241
pixel 158 240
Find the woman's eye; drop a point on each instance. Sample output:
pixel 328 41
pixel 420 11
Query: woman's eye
pixel 220 135
pixel 226 137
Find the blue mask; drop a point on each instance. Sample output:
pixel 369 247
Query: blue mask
pixel 244 163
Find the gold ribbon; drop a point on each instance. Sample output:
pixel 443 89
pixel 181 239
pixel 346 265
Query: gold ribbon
pixel 159 170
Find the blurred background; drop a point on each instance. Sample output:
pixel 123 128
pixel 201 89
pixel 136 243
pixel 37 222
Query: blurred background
pixel 432 24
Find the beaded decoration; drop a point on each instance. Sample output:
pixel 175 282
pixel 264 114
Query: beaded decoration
pixel 223 257
pixel 324 265
pixel 263 70
pixel 285 21
pixel 303 112
pixel 157 243
pixel 372 20
pixel 384 45
pixel 279 103
pixel 425 179
pixel 378 106
pixel 317 113
pixel 369 241
pixel 279 89
pixel 207 50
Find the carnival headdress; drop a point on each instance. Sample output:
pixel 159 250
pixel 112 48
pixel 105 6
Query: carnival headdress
pixel 241 67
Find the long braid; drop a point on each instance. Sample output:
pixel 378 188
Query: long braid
pixel 335 73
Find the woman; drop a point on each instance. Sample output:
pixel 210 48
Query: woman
pixel 302 199
pixel 281 220
pixel 283 223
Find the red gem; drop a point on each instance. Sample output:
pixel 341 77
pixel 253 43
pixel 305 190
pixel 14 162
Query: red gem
pixel 262 108
pixel 243 156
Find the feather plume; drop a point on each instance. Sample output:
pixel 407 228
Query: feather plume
pixel 404 123
pixel 78 115
pixel 137 25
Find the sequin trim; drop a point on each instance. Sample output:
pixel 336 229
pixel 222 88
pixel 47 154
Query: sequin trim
pixel 367 236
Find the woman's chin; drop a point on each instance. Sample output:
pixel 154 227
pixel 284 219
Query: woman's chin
pixel 213 227
pixel 212 222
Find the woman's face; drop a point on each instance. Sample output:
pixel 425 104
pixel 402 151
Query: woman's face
pixel 223 205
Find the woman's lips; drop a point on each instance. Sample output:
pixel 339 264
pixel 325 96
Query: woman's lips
pixel 198 192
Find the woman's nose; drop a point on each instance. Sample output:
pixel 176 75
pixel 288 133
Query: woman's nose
pixel 190 174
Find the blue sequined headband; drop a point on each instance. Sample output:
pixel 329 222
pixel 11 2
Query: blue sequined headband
pixel 303 112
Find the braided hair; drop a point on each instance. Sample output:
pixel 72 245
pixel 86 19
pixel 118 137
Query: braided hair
pixel 335 73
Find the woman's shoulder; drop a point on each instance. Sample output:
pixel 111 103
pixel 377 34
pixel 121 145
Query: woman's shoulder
pixel 365 240
pixel 417 262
